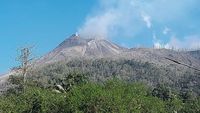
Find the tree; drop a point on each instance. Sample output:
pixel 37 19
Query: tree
pixel 162 92
pixel 25 60
pixel 72 79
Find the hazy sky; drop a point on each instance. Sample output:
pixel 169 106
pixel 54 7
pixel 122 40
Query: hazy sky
pixel 130 23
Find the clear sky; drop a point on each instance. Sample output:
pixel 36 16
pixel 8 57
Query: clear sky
pixel 130 23
pixel 43 23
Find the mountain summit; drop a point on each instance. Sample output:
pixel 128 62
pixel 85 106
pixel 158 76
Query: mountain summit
pixel 77 47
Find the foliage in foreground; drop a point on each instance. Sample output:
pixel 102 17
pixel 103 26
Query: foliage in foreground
pixel 110 97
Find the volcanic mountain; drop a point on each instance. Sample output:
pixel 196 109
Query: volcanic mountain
pixel 82 48
pixel 77 47
pixel 103 59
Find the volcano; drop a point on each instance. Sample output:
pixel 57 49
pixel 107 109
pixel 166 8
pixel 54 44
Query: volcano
pixel 77 47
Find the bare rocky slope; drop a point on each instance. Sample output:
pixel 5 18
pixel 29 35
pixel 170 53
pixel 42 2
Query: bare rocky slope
pixel 77 47
pixel 82 48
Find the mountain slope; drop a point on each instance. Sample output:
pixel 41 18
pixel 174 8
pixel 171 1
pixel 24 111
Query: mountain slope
pixel 77 47
pixel 195 54
pixel 162 56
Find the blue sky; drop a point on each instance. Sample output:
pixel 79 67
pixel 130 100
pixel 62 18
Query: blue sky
pixel 43 23
pixel 130 23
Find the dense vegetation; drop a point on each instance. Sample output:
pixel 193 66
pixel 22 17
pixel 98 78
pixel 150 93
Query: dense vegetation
pixel 82 96
pixel 103 86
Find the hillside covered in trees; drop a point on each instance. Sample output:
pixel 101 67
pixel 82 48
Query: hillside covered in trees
pixel 103 85
pixel 99 70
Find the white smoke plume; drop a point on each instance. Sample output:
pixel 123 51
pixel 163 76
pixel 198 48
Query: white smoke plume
pixel 166 30
pixel 113 17
pixel 147 20
pixel 190 42
pixel 127 18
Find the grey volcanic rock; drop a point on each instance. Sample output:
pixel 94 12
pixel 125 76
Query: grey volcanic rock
pixel 82 48
pixel 158 56
pixel 77 47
